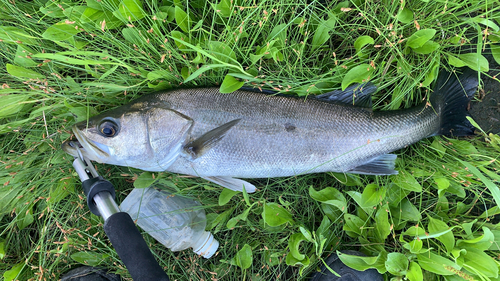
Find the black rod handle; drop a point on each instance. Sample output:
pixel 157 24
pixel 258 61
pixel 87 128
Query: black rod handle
pixel 132 249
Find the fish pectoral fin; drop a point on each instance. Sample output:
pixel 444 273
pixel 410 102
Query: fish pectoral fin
pixel 382 165
pixel 357 95
pixel 197 147
pixel 232 183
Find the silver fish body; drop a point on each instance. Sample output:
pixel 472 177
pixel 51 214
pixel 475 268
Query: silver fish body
pixel 246 134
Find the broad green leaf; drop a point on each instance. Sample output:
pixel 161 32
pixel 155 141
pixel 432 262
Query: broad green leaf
pixel 104 19
pixel 14 35
pixel 203 69
pixel 481 262
pixel 321 33
pixel 330 196
pixel 447 238
pixel 279 34
pixel 431 75
pixel 406 181
pixel 2 249
pixel 420 37
pixel 363 263
pixel 395 194
pixel 224 7
pixel 160 75
pixel 442 184
pixel 414 231
pixel 182 19
pixel 372 195
pixel 363 41
pixel 397 264
pixel 275 215
pixel 167 13
pixel 408 211
pixel 436 264
pixel 230 84
pixel 247 198
pixel 215 222
pixel 241 217
pixel 414 272
pixel 324 227
pixel 21 72
pixel 495 51
pixel 144 180
pixel 475 61
pixel 454 61
pixel 221 51
pixel 131 10
pixel 13 272
pixel 489 23
pixel 382 225
pixel 358 74
pixel 21 58
pixel 54 9
pixel 482 242
pixel 185 72
pixel 12 103
pixel 294 244
pixel 25 218
pixel 353 223
pixel 333 213
pixel 61 31
pixel 428 47
pixel 440 149
pixel 226 195
pixel 89 258
pixel 244 257
pixel 62 189
pixel 290 260
pixel 415 246
pixel 180 36
pixel 74 13
pixel 405 16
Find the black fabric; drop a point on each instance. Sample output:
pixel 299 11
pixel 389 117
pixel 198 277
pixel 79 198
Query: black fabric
pixel 132 249
pixel 346 273
pixel 87 273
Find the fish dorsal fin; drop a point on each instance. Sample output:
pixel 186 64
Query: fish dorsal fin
pixel 197 147
pixel 357 95
pixel 232 183
pixel 382 165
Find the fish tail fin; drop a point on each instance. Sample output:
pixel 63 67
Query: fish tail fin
pixel 451 97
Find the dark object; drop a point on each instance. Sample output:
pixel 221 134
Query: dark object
pixel 87 273
pixel 119 226
pixel 132 249
pixel 92 187
pixel 346 273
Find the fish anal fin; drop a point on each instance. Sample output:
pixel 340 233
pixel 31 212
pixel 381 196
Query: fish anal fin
pixel 232 183
pixel 199 146
pixel 382 165
pixel 358 95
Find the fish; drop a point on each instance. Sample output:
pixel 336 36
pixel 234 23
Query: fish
pixel 226 138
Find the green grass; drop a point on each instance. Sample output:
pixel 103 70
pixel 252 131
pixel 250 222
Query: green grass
pixel 63 61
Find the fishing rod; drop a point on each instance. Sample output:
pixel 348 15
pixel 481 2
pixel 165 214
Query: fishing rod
pixel 118 226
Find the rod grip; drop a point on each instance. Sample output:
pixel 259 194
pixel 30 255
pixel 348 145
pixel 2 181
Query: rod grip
pixel 132 249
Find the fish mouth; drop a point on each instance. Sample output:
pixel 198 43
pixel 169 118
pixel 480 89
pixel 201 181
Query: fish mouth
pixel 82 147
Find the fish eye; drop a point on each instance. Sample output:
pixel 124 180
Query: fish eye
pixel 108 128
